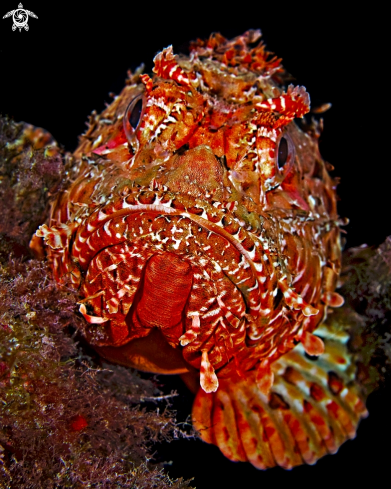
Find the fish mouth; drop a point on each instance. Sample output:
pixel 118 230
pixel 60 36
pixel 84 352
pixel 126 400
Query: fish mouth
pixel 198 275
pixel 115 243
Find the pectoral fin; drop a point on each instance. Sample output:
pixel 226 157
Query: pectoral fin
pixel 312 408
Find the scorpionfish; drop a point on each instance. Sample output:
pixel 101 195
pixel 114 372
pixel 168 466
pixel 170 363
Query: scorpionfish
pixel 200 228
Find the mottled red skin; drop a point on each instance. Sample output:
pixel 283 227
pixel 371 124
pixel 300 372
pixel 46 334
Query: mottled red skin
pixel 184 236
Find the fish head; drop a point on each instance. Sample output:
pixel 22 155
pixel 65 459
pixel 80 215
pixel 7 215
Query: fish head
pixel 201 220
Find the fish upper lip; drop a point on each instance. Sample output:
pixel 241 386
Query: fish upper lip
pixel 166 209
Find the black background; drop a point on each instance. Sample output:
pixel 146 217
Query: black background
pixel 73 55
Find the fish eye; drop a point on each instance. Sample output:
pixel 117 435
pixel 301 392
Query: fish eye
pixel 285 154
pixel 135 113
pixel 282 152
pixel 133 116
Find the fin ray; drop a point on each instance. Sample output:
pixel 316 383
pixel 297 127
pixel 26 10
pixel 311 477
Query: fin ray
pixel 313 407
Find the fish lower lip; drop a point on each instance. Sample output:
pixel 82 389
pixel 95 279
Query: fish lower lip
pixel 150 353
